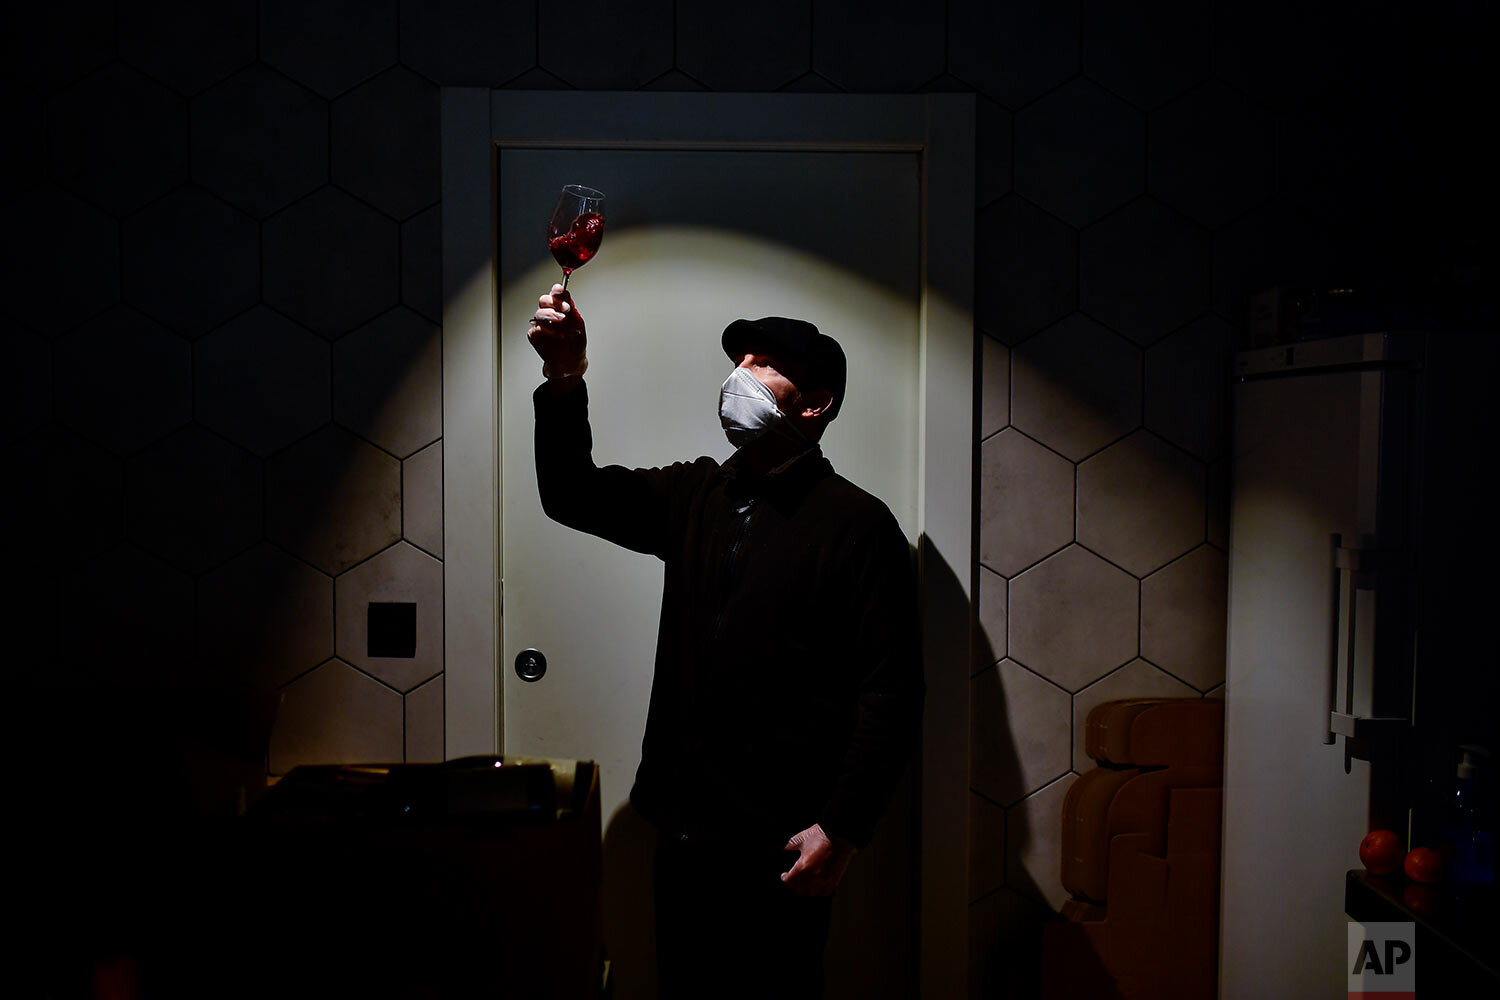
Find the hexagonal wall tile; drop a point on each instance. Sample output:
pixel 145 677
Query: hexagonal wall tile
pixel 61 261
pixel 260 141
pixel 992 151
pixel 1140 503
pixel 995 412
pixel 1183 617
pixel 1275 244
pixel 336 715
pixel 1073 618
pixel 422 499
pixel 947 83
pixel 640 34
pixel 118 139
pixel 385 142
pixel 127 620
pixel 123 381
pixel 671 81
pixel 78 488
pixel 810 83
pixel 186 44
pixel 404 575
pixel 537 78
pixel 387 382
pixel 422 263
pixel 986 846
pixel 1025 270
pixel 1080 152
pixel 1136 679
pixel 738 48
pixel 27 382
pixel 424 723
pixel 1018 726
pixel 1013 52
pixel 194 499
pixel 992 601
pixel 890 48
pixel 1211 154
pixel 472 43
pixel 944 83
pixel 191 261
pixel 333 499
pixel 330 262
pixel 1076 387
pixel 265 618
pixel 262 380
pixel 1147 52
pixel 330 45
pixel 62 41
pixel 1033 843
pixel 1187 386
pixel 1144 270
pixel 1025 502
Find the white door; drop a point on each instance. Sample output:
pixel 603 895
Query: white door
pixel 693 240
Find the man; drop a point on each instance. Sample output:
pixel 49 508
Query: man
pixel 788 687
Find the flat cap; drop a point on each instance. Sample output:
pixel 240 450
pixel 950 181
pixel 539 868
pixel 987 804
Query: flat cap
pixel 794 340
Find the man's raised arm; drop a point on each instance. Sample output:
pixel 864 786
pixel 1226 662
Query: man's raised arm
pixel 629 507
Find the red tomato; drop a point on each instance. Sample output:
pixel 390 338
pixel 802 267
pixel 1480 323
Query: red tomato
pixel 1380 852
pixel 1423 864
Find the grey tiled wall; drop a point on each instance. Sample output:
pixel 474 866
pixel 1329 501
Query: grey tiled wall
pixel 221 291
pixel 223 295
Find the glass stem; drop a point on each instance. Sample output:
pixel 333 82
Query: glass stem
pixel 566 276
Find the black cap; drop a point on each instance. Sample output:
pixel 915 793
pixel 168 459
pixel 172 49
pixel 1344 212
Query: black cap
pixel 793 340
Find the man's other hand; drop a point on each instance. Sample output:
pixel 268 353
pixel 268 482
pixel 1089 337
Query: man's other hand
pixel 557 334
pixel 821 862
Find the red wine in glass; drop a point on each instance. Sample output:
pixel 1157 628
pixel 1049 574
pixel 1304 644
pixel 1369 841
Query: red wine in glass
pixel 576 228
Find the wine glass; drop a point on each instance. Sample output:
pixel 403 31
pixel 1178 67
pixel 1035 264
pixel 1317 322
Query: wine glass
pixel 576 228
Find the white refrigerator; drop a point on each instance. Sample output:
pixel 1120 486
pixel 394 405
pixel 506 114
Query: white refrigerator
pixel 1320 647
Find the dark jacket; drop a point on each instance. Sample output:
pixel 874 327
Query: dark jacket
pixel 788 687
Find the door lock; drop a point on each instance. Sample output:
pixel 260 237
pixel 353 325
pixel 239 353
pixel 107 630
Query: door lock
pixel 531 664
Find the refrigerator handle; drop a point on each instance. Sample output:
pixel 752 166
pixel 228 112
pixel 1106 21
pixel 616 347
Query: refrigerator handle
pixel 1362 562
pixel 1330 693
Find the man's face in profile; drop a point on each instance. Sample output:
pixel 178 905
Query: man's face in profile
pixel 780 378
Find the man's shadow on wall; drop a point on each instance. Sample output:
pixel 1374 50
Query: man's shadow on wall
pixel 1008 908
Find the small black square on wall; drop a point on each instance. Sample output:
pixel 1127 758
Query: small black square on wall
pixel 393 629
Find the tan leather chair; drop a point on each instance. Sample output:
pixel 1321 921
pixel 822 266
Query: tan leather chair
pixel 1140 845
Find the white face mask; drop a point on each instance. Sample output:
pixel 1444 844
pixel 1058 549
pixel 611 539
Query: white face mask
pixel 748 410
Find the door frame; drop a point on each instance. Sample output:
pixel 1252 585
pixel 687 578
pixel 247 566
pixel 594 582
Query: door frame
pixel 476 123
